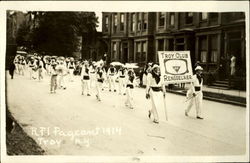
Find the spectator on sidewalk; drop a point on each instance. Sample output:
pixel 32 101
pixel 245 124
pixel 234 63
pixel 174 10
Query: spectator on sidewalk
pixel 232 69
pixel 194 94
pixel 12 68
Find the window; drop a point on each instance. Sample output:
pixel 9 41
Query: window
pixel 122 22
pixel 161 19
pixel 106 23
pixel 144 51
pixel 115 23
pixel 133 23
pixel 203 49
pixel 138 47
pixel 114 50
pixel 189 18
pixel 180 44
pixel 204 16
pixel 139 22
pixel 172 19
pixel 161 45
pixel 203 56
pixel 145 21
pixel 213 16
pixel 171 44
pixel 138 51
pixel 214 49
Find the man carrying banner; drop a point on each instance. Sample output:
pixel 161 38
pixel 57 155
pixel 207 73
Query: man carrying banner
pixel 194 94
pixel 156 91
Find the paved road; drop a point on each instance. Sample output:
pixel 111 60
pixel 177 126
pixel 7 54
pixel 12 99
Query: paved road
pixel 109 128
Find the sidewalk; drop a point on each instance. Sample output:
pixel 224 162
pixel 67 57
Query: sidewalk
pixel 234 97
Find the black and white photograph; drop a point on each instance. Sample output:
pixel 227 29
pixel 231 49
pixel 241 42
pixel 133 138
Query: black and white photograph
pixel 125 82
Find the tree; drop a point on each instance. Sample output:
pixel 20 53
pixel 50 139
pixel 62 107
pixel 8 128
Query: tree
pixel 58 32
pixel 23 35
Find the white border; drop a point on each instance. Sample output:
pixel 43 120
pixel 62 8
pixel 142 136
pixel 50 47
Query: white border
pixel 118 6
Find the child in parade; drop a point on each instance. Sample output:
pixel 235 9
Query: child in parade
pixel 155 90
pixel 121 77
pixel 194 94
pixel 111 78
pixel 130 84
pixel 85 78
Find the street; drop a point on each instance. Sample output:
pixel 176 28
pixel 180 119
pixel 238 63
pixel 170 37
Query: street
pixel 68 123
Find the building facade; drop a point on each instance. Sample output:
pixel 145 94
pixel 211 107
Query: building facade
pixel 211 38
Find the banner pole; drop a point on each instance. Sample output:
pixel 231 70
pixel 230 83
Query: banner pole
pixel 164 102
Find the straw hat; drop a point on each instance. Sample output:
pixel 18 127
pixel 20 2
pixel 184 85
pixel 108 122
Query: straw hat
pixel 198 68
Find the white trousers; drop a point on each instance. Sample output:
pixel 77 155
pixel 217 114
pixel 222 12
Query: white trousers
pixel 85 86
pixel 156 101
pixel 92 77
pixel 61 82
pixel 129 100
pixel 121 85
pixel 197 100
pixel 112 82
pixel 71 71
pixel 98 89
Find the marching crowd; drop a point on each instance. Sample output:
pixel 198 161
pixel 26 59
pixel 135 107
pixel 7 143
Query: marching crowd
pixel 96 74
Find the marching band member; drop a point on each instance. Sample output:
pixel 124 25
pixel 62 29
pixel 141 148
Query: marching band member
pixel 111 77
pixel 85 78
pixel 92 73
pixel 121 77
pixel 155 90
pixel 130 84
pixel 53 80
pixel 71 67
pixel 194 94
pixel 100 78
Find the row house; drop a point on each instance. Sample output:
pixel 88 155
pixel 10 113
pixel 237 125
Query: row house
pixel 211 38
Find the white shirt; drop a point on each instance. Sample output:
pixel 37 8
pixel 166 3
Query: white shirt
pixel 151 82
pixel 84 73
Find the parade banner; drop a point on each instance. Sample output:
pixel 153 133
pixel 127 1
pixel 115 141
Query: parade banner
pixel 175 66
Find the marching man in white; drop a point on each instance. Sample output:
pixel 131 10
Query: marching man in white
pixel 71 67
pixel 100 78
pixel 85 78
pixel 130 84
pixel 194 94
pixel 92 74
pixel 155 90
pixel 121 76
pixel 111 77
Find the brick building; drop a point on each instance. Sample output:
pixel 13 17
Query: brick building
pixel 210 37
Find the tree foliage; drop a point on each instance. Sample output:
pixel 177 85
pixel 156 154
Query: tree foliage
pixel 58 32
